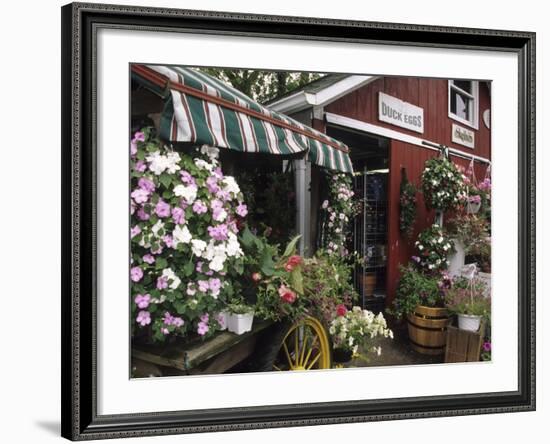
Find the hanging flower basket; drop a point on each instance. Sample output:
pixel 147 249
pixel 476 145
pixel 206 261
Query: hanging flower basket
pixel 442 184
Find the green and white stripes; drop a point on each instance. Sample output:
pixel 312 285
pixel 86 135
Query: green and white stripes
pixel 241 125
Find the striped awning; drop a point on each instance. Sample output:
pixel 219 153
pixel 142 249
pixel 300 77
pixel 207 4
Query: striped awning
pixel 203 110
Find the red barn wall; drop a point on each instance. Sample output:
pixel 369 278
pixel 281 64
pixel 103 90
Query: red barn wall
pixel 432 96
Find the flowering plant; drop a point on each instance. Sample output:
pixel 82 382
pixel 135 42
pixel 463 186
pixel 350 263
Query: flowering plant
pixel 416 288
pixel 433 246
pixel 442 184
pixel 468 296
pixel 184 226
pixel 354 329
pixel 273 281
pixel 327 281
pixel 407 207
pixel 339 210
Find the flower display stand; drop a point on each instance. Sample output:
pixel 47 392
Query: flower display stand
pixel 463 345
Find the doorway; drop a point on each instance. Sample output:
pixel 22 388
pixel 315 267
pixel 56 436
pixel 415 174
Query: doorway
pixel 370 158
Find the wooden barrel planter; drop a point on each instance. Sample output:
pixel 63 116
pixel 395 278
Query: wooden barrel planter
pixel 368 283
pixel 428 330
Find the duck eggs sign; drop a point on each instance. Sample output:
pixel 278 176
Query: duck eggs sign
pixel 396 112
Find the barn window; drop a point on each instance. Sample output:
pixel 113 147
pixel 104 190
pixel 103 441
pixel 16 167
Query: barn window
pixel 463 101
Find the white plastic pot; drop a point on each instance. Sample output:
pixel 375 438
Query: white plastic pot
pixel 239 323
pixel 456 260
pixel 468 322
pixel 473 208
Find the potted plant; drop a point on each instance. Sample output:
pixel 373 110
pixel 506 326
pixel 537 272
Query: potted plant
pixel 352 332
pixel 473 204
pixel 442 184
pixel 240 317
pixel 433 249
pixel 466 297
pixel 470 234
pixel 420 300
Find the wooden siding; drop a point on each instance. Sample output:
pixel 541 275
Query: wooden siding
pixel 430 95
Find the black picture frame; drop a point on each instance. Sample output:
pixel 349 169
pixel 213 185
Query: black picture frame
pixel 79 170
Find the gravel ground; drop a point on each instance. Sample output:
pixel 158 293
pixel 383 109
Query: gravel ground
pixel 395 351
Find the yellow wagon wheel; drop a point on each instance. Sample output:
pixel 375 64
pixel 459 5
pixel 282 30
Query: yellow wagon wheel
pixel 305 346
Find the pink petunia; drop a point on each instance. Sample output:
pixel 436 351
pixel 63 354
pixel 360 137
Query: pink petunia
pixel 143 318
pixel 136 274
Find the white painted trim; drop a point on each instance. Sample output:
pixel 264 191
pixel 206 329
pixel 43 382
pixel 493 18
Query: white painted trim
pixel 474 96
pixel 302 99
pixel 392 134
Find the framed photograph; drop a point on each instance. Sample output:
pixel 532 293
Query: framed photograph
pixel 278 221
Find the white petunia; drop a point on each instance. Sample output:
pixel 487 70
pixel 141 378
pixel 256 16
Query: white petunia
pixel 181 235
pixel 210 151
pixel 204 165
pixel 198 246
pixel 157 227
pixel 189 192
pixel 230 185
pixel 174 281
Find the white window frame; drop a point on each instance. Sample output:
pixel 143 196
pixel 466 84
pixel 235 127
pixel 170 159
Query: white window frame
pixel 474 123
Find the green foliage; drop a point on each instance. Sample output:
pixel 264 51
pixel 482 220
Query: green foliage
pixel 407 207
pixel 416 288
pixel 262 85
pixel 468 297
pixel 327 280
pixel 442 184
pixel 433 247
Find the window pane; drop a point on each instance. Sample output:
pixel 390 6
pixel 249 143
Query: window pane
pixel 460 105
pixel 464 85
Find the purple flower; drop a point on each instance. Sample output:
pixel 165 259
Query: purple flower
pixel 203 286
pixel 140 166
pixel 474 199
pixel 215 285
pixel 219 232
pixel 133 148
pixel 140 195
pixel 146 184
pixel 218 172
pixel 172 320
pixel 198 268
pixel 223 195
pixel 199 207
pixel 164 331
pixel 187 178
pixel 136 274
pixel 168 240
pixel 157 250
pixel 178 215
pixel 242 210
pixel 204 318
pixel 212 184
pixel 143 318
pixel 216 204
pixel 416 259
pixel 487 346
pixel 135 231
pixel 149 258
pixel 162 282
pixel 142 300
pixel 142 214
pixel 139 136
pixel 202 328
pixel 162 209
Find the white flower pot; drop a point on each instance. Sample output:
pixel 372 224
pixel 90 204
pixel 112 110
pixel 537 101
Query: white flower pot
pixel 239 323
pixel 473 208
pixel 456 260
pixel 468 322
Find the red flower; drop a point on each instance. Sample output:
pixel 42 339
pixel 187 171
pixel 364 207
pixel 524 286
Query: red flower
pixel 286 294
pixel 292 262
pixel 341 310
